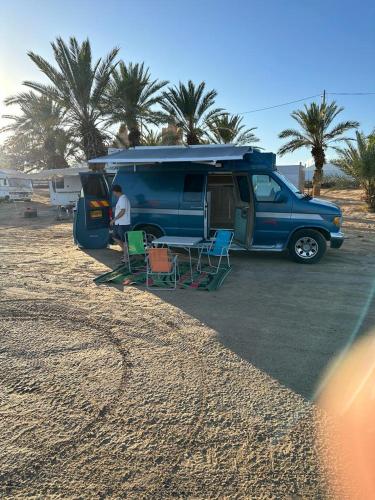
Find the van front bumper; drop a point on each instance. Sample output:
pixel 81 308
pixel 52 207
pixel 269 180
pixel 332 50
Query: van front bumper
pixel 337 239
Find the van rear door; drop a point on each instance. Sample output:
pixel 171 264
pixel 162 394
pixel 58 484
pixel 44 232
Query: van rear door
pixel 92 216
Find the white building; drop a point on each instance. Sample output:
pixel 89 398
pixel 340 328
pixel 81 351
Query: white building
pixel 294 173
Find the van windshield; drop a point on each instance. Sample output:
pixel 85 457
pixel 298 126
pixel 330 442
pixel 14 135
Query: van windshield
pixel 290 185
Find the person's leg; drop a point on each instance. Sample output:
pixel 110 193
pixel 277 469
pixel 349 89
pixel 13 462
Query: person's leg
pixel 117 236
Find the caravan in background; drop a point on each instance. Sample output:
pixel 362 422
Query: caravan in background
pixel 15 186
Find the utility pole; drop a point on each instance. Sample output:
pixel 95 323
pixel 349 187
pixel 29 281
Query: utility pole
pixel 324 96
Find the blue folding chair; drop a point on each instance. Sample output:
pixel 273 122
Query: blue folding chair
pixel 218 247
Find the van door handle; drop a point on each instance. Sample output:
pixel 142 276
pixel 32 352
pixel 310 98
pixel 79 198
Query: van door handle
pixel 244 212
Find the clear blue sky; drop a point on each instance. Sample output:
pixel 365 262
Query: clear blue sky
pixel 255 53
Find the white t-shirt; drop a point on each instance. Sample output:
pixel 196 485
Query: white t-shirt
pixel 123 203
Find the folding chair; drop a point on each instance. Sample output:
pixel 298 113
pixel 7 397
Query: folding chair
pixel 218 247
pixel 161 263
pixel 135 245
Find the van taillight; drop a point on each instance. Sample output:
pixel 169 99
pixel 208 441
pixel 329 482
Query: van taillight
pixel 110 213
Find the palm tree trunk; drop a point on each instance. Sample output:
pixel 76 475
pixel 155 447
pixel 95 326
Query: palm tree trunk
pixel 54 159
pixel 134 136
pixel 319 159
pixel 57 161
pixel 370 195
pixel 192 139
pixel 93 144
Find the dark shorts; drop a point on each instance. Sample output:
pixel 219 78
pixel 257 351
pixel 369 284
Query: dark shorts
pixel 120 231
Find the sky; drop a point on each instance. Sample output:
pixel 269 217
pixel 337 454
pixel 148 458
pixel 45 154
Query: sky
pixel 255 53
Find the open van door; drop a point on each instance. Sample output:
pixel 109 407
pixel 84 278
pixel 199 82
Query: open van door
pixel 92 216
pixel 244 211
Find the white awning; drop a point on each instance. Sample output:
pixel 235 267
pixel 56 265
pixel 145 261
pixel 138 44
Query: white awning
pixel 175 154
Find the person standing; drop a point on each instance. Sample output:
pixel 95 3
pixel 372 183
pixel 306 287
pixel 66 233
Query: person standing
pixel 121 222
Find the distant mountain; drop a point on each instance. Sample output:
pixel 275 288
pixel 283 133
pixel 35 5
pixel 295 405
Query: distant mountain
pixel 328 170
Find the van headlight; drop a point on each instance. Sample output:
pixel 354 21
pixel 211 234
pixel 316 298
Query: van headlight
pixel 337 221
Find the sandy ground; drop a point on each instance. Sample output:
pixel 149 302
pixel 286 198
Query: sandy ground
pixel 111 394
pixel 356 216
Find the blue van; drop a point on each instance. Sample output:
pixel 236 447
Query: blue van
pixel 195 190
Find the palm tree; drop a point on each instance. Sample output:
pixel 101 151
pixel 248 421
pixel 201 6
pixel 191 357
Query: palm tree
pixel 131 97
pixel 78 85
pixel 226 128
pixel 314 121
pixel 152 138
pixel 39 136
pixel 358 161
pixel 190 107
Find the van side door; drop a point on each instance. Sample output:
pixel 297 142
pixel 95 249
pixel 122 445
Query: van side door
pixel 92 215
pixel 244 211
pixel 273 207
pixel 192 212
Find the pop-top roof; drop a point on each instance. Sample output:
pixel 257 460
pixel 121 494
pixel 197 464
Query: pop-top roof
pixel 164 154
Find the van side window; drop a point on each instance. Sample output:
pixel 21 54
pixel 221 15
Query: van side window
pixel 193 187
pixel 265 188
pixel 243 188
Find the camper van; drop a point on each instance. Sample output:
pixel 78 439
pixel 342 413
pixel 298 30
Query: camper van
pixel 15 186
pixel 195 190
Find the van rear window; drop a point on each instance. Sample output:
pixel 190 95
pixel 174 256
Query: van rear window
pixel 193 187
pixel 94 185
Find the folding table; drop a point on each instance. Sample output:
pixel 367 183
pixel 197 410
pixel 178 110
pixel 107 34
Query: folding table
pixel 184 242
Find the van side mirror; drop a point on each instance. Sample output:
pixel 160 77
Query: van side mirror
pixel 281 197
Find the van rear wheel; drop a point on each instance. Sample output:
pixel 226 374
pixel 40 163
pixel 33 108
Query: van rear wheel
pixel 152 233
pixel 307 246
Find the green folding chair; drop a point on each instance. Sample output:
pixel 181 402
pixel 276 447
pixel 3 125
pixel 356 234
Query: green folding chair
pixel 136 246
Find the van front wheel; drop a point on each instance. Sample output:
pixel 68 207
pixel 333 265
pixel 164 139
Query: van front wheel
pixel 307 246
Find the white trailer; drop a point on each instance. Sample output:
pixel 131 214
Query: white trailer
pixel 15 186
pixel 64 187
pixel 64 190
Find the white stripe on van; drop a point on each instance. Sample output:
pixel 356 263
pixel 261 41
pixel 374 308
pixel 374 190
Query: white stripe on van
pixel 166 211
pixel 307 216
pixel 273 215
pixel 266 215
pixel 288 215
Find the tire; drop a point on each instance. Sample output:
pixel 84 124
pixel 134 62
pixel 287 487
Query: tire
pixel 307 246
pixel 152 232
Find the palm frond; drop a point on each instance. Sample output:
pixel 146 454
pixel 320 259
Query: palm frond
pixel 292 146
pixel 314 121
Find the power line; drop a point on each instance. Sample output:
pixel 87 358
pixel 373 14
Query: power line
pixel 279 105
pixel 351 93
pixel 303 99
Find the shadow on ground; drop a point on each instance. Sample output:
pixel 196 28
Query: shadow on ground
pixel 288 320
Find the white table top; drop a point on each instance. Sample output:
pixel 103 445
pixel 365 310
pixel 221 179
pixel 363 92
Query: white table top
pixel 177 241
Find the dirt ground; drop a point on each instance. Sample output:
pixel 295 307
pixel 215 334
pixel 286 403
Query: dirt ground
pixel 111 393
